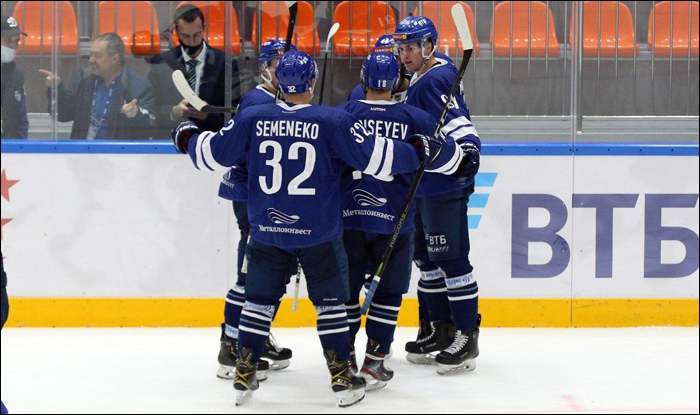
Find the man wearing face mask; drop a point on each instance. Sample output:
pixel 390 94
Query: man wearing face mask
pixel 14 104
pixel 203 66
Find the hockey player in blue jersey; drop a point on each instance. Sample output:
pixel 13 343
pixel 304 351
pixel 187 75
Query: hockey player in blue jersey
pixel 372 207
pixel 295 154
pixel 234 187
pixel 385 44
pixel 447 287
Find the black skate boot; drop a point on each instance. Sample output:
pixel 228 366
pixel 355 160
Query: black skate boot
pixel 424 329
pixel 348 388
pixel 278 357
pixel 373 369
pixel 246 382
pixel 423 351
pixel 353 357
pixel 461 355
pixel 227 359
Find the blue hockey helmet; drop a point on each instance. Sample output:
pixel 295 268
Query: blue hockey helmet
pixel 415 29
pixel 271 50
pixel 380 71
pixel 385 44
pixel 295 71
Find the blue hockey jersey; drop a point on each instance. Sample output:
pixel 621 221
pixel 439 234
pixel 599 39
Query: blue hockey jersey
pixel 359 91
pixel 370 204
pixel 295 156
pixel 234 185
pixel 429 92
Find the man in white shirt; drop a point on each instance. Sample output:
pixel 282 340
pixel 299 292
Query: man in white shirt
pixel 204 68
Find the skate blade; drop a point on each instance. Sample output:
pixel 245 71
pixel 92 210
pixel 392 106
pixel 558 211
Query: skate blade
pixel 229 373
pixel 373 384
pixel 466 366
pixel 243 396
pixel 349 397
pixel 226 372
pixel 278 364
pixel 421 359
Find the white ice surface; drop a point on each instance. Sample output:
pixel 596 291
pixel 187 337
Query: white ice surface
pixel 637 370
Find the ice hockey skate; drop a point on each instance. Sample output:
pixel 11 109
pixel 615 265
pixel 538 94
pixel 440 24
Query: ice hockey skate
pixel 424 350
pixel 373 369
pixel 462 353
pixel 228 357
pixel 277 357
pixel 348 388
pixel 246 382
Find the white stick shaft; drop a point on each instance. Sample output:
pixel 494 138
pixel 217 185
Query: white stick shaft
pixel 460 19
pixel 183 87
pixel 331 33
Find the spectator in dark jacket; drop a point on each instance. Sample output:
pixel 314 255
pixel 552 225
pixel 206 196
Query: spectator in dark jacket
pixel 107 101
pixel 203 66
pixel 14 103
pixel 5 303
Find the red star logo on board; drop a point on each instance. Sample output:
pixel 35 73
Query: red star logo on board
pixel 6 185
pixel 4 222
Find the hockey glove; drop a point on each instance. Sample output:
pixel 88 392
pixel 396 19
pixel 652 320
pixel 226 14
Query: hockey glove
pixel 469 165
pixel 428 148
pixel 182 133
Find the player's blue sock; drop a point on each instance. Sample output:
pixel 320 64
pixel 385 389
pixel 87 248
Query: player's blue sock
pixel 463 293
pixel 354 317
pixel 381 319
pixel 235 300
pixel 333 330
pixel 255 327
pixel 432 285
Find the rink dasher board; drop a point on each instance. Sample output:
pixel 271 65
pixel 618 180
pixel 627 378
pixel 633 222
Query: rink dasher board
pixel 130 234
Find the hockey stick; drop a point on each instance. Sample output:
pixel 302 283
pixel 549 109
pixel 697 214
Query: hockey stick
pixel 295 299
pixel 331 33
pixel 191 97
pixel 293 8
pixel 460 20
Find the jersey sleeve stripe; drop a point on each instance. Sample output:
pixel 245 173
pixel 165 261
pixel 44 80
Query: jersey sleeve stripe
pixel 377 156
pixel 198 162
pixel 464 132
pixel 388 159
pixel 206 153
pixel 455 123
pixel 451 166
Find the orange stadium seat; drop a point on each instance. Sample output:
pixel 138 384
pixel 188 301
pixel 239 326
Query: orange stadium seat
pixel 445 25
pixel 34 18
pixel 370 21
pixel 539 14
pixel 626 45
pixel 215 16
pixel 305 33
pixel 136 22
pixel 660 38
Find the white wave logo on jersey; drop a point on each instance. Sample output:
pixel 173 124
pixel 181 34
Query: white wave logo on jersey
pixel 365 198
pixel 282 218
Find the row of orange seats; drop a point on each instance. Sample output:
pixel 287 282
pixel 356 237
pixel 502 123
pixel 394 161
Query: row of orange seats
pixel 137 23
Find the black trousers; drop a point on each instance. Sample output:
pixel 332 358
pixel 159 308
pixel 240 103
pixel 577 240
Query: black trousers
pixel 5 307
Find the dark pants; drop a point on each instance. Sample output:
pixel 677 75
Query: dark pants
pixel 5 307
pixel 366 249
pixel 325 269
pixel 240 209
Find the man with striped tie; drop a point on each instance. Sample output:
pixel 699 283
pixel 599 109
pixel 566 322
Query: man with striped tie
pixel 204 68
